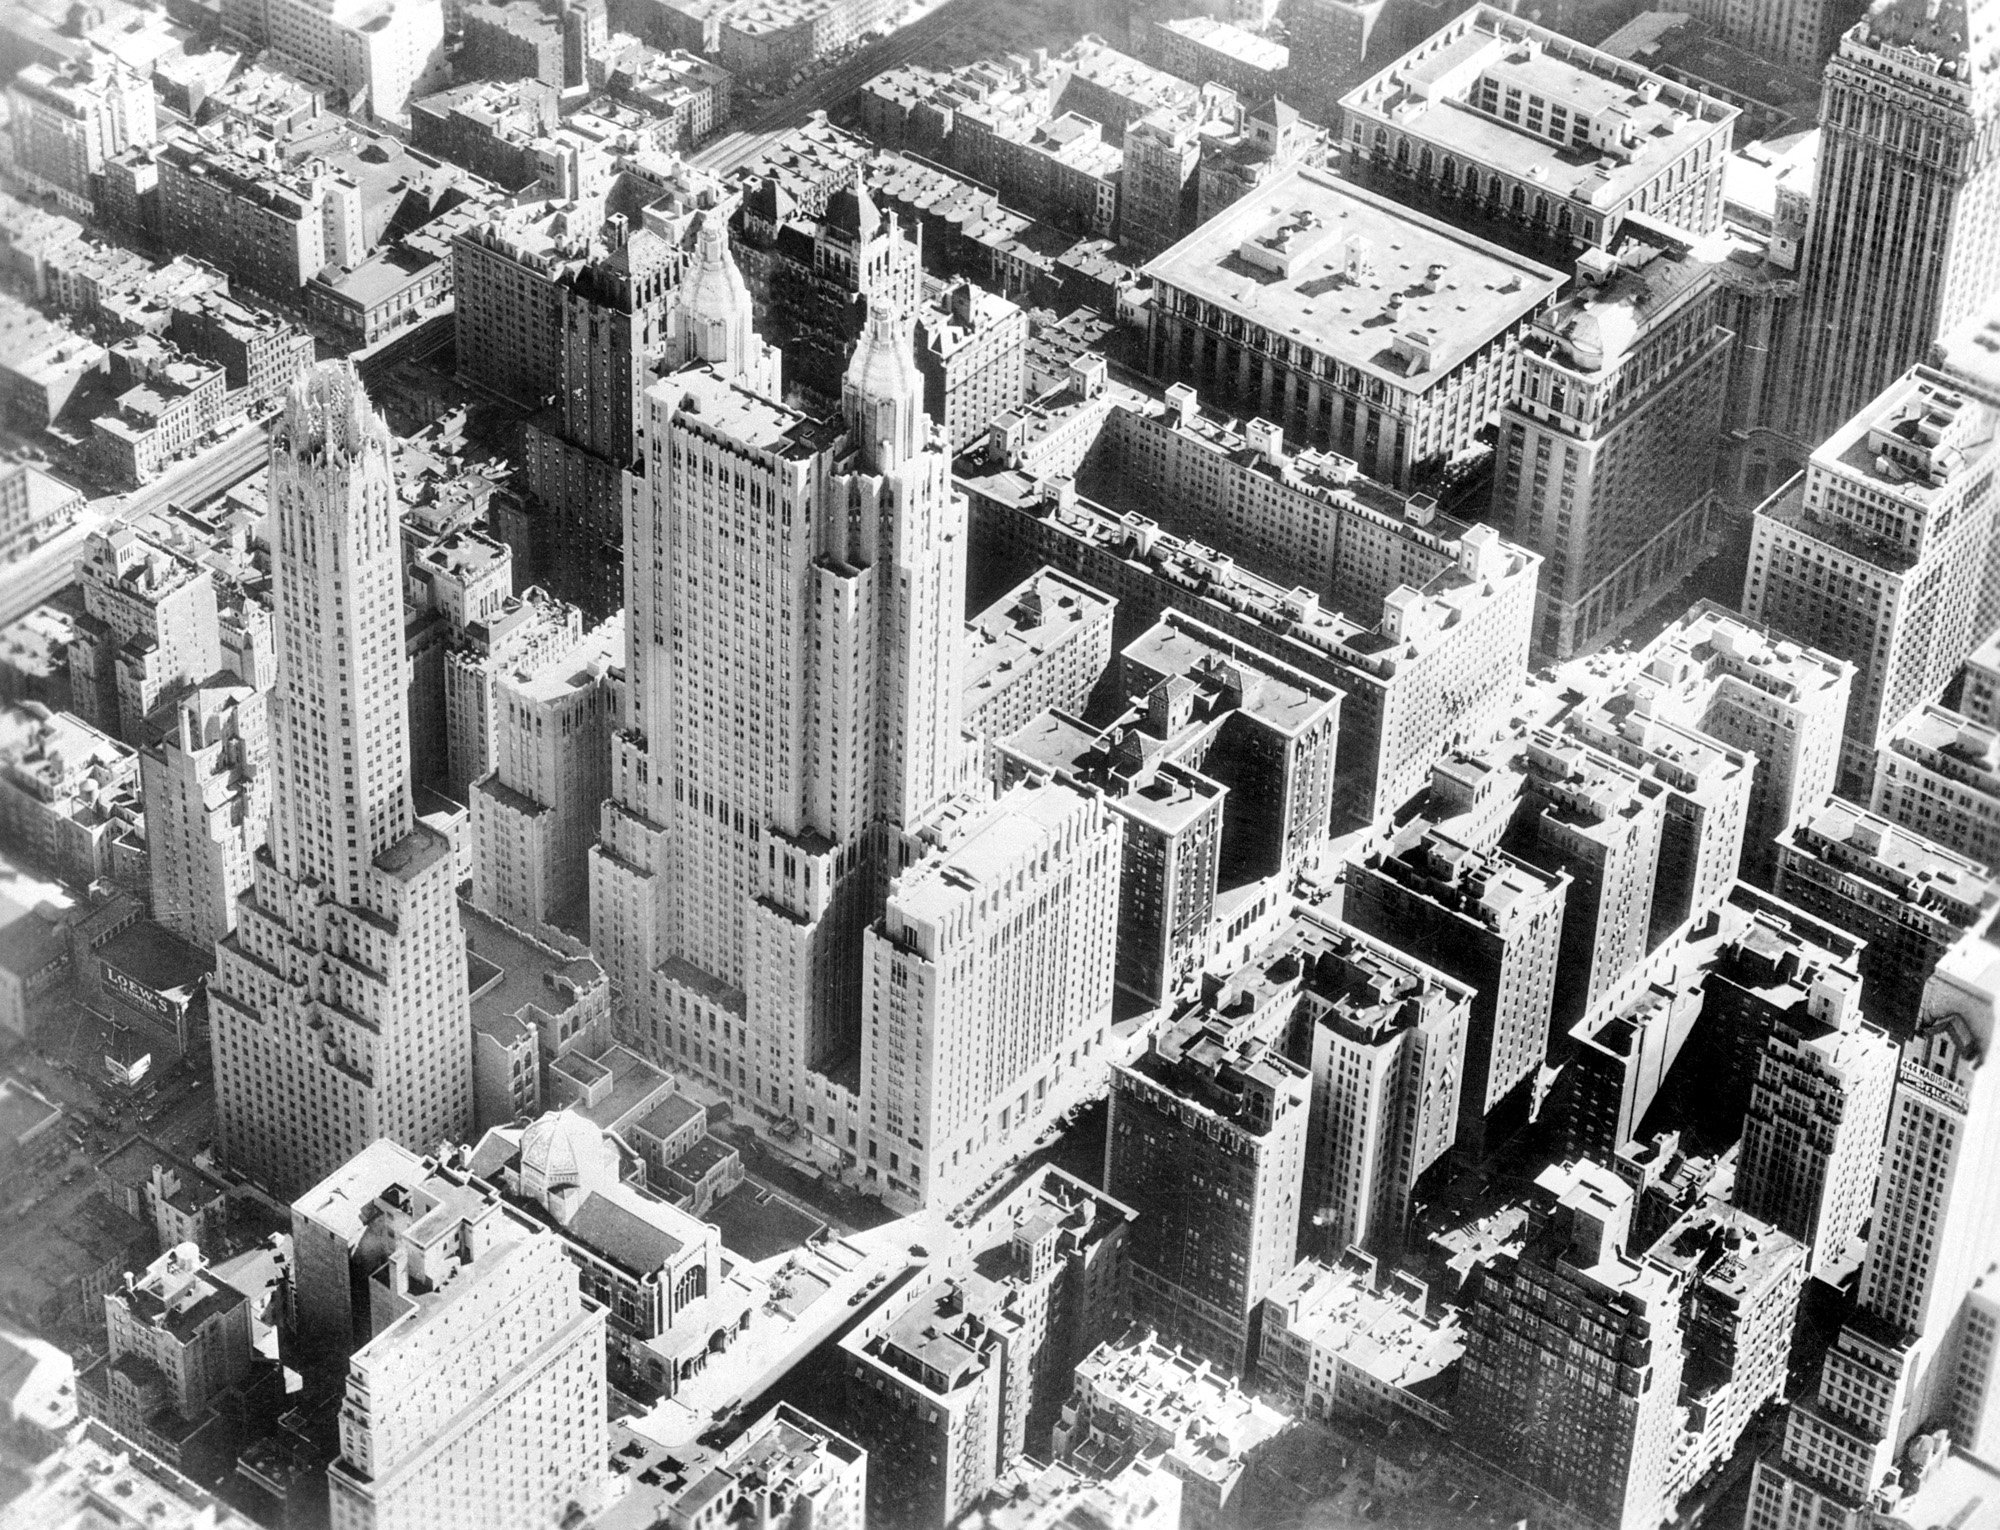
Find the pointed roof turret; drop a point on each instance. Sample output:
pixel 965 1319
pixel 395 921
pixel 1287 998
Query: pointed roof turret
pixel 712 310
pixel 851 211
pixel 883 392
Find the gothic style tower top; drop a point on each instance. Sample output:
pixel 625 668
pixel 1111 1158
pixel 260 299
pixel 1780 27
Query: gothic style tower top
pixel 339 733
pixel 712 313
pixel 882 395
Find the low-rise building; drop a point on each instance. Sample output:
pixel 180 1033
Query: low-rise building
pixel 1139 1398
pixel 68 793
pixel 1346 1339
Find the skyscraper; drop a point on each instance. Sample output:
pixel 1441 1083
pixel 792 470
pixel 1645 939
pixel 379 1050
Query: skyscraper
pixel 795 599
pixel 1208 1144
pixel 1902 242
pixel 338 1009
pixel 475 1395
pixel 1883 553
pixel 1595 1428
pixel 1898 1368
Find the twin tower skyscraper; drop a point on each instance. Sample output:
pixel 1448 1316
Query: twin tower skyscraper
pixel 790 742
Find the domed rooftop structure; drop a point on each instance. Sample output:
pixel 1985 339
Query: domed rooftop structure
pixel 563 1149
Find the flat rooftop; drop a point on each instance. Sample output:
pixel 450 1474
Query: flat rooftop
pixel 1428 94
pixel 1345 271
pixel 1043 611
pixel 708 401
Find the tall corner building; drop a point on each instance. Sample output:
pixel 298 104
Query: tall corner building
pixel 1915 1356
pixel 338 1008
pixel 1883 554
pixel 475 1389
pixel 1902 242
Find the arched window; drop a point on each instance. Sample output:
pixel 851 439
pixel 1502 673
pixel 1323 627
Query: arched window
pixel 1402 153
pixel 1518 202
pixel 1541 209
pixel 1449 174
pixel 1562 218
pixel 1381 140
pixel 1493 188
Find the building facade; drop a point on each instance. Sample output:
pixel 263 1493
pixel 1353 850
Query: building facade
pixel 339 1015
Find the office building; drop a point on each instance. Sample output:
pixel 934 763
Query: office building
pixel 1880 554
pixel 1139 1397
pixel 1384 1040
pixel 1617 401
pixel 1760 692
pixel 378 55
pixel 1300 518
pixel 149 627
pixel 1939 775
pixel 475 1387
pixel 1349 1339
pixel 523 633
pixel 970 1372
pixel 988 985
pixel 1519 123
pixel 1618 1057
pixel 1898 250
pixel 1708 785
pixel 1979 683
pixel 1173 820
pixel 1812 1137
pixel 206 783
pixel 1207 1143
pixel 1433 667
pixel 971 349
pixel 338 1015
pixel 1045 643
pixel 1485 919
pixel 1741 1280
pixel 1265 731
pixel 534 814
pixel 1596 1430
pixel 67 121
pixel 178 1339
pixel 1796 32
pixel 1585 813
pixel 1906 896
pixel 1898 1369
pixel 1235 313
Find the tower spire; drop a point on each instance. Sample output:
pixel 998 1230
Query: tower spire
pixel 882 396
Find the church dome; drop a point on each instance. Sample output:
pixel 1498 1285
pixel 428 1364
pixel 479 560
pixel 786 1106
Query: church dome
pixel 559 1149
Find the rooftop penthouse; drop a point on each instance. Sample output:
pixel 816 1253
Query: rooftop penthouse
pixel 1137 1396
